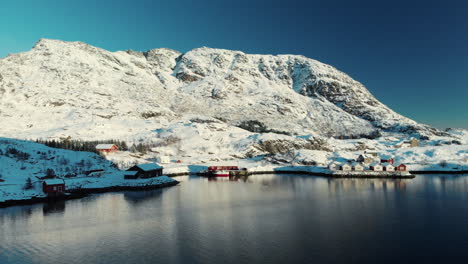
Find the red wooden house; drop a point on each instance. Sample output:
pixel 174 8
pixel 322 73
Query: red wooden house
pixel 53 186
pixel 107 148
pixel 391 161
pixel 401 167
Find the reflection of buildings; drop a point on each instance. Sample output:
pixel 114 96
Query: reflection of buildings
pixel 142 196
pixel 57 207
pixel 355 184
pixel 230 178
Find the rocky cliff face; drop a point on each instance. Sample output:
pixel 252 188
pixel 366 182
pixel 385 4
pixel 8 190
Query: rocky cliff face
pixel 72 88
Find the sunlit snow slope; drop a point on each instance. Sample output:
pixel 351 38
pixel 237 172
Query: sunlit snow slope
pixel 73 89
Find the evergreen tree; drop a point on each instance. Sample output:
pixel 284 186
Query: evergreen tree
pixel 50 172
pixel 28 185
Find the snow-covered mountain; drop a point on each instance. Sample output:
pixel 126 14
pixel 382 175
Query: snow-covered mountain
pixel 73 89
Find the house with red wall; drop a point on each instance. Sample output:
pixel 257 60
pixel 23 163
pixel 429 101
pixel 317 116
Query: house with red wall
pixel 107 148
pixel 53 186
pixel 401 167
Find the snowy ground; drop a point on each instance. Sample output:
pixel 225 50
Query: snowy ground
pixel 192 146
pixel 199 145
pixel 20 160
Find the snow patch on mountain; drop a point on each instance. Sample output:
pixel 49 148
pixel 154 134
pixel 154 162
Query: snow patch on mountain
pixel 74 89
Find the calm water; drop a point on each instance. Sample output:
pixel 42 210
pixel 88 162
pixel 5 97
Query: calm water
pixel 266 219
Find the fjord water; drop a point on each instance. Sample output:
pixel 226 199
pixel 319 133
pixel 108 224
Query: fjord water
pixel 263 219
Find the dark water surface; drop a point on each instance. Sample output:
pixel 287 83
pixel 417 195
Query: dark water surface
pixel 266 219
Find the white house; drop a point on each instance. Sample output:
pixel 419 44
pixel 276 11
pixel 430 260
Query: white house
pixel 376 167
pixel 333 166
pixel 345 167
pixel 356 166
pixel 388 167
pixel 164 159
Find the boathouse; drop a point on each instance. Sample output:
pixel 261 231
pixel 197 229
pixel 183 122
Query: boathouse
pixel 107 148
pixel 376 167
pixel 147 170
pixel 401 167
pixel 53 186
pixel 345 167
pixel 356 166
pixel 388 166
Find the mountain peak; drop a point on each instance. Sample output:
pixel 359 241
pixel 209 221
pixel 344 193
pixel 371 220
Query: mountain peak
pixel 47 43
pixel 72 83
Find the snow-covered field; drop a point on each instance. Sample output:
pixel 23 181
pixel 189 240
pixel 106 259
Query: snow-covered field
pixel 20 160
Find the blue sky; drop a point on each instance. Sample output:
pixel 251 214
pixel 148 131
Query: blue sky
pixel 412 55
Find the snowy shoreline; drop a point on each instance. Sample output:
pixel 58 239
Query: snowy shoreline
pixel 121 188
pixel 82 190
pixel 78 193
pixel 312 170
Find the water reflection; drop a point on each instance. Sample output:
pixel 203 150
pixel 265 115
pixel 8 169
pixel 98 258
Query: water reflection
pixel 141 196
pixel 257 219
pixel 57 207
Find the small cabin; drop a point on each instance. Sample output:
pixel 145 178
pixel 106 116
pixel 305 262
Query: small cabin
pixel 365 158
pixel 53 186
pixel 345 167
pixel 164 159
pixel 401 167
pixel 130 174
pixel 388 166
pixel 387 160
pixel 402 145
pixel 147 170
pixel 414 142
pixel 372 153
pixel 376 167
pixel 408 144
pixel 333 166
pixel 357 166
pixel 107 148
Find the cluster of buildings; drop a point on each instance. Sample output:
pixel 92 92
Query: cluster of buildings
pixel 368 161
pixel 56 186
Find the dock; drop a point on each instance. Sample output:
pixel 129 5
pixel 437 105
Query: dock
pixel 320 171
pixel 371 174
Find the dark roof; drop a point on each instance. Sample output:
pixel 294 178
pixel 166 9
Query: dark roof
pixel 149 166
pixel 54 181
